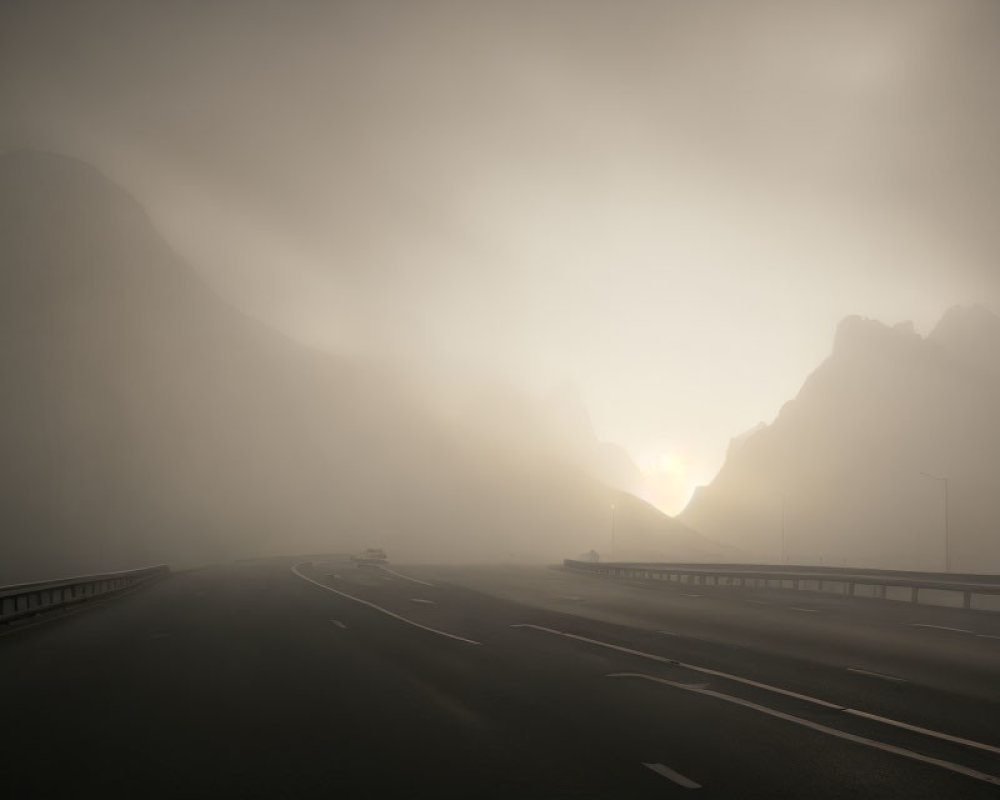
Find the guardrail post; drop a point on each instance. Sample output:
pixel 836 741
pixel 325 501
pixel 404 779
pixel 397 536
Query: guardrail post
pixel 26 599
pixel 975 591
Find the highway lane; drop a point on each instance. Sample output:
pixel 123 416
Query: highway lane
pixel 949 649
pixel 250 681
pixel 840 681
pixel 850 651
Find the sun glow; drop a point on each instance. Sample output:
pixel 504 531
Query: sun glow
pixel 668 479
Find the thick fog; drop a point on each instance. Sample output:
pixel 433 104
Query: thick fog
pixel 493 265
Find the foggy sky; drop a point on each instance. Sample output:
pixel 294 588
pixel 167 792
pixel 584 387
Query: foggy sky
pixel 671 203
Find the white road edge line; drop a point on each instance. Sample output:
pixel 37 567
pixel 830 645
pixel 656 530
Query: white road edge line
pixel 405 577
pixel 939 627
pixel 339 624
pixel 693 667
pixel 886 720
pixel 881 675
pixel 927 732
pixel 986 636
pixel 673 775
pixel 385 611
pixel 873 743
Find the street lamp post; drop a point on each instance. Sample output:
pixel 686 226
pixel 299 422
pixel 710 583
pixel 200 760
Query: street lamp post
pixel 612 531
pixel 784 555
pixel 947 538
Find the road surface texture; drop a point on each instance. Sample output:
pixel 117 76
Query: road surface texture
pixel 317 678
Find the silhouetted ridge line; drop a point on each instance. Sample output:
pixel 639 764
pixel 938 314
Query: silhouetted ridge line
pixel 854 468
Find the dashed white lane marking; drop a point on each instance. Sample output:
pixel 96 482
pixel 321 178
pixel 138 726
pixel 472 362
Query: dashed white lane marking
pixel 421 600
pixel 956 630
pixel 569 597
pixel 673 775
pixel 693 667
pixel 881 675
pixel 691 595
pixel 336 577
pixel 873 743
pixel 760 602
pixel 939 627
pixel 339 624
pixel 385 611
pixel 810 610
pixel 785 692
pixel 405 577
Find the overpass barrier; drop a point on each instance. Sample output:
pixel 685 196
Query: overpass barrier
pixel 25 599
pixel 977 592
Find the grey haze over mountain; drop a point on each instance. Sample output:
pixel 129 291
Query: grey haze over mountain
pixel 143 419
pixel 852 470
pixel 568 421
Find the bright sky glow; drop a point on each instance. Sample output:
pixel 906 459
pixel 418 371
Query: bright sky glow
pixel 671 204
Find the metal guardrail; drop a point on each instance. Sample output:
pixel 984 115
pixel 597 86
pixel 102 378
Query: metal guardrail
pixel 979 592
pixel 25 599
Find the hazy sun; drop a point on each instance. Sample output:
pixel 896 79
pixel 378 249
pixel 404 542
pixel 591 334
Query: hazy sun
pixel 668 479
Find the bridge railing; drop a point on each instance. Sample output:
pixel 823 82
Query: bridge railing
pixel 979 592
pixel 25 599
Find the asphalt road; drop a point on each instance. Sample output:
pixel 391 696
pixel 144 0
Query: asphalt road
pixel 289 679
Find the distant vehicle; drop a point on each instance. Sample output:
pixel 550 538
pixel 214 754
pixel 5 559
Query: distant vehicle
pixel 372 557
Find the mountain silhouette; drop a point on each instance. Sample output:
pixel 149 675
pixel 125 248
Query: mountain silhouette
pixel 853 469
pixel 567 422
pixel 144 419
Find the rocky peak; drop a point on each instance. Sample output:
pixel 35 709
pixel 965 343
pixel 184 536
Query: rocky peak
pixel 861 336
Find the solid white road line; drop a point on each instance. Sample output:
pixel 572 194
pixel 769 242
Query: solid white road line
pixel 339 624
pixel 767 687
pixel 939 627
pixel 876 674
pixel 693 667
pixel 673 775
pixel 405 577
pixel 873 743
pixel 385 611
pixel 537 628
pixel 986 636
pixel 925 731
pixel 421 600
